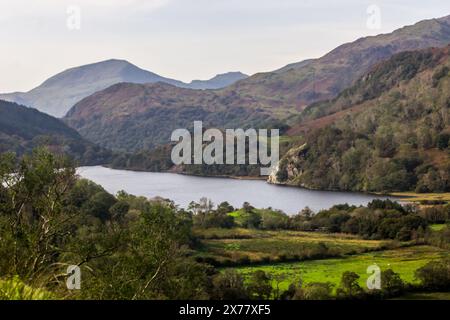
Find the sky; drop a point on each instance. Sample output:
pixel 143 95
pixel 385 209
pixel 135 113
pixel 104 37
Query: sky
pixel 187 39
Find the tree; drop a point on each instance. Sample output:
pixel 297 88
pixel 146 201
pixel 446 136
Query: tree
pixel 251 220
pixel 349 287
pixel 229 285
pixel 98 205
pixel 200 210
pixel 318 291
pixel 391 283
pixel 35 224
pixel 431 182
pixel 225 208
pixel 247 207
pixel 49 220
pixel 119 210
pixel 385 145
pixel 260 286
pixel 442 141
pixel 435 275
pixel 306 212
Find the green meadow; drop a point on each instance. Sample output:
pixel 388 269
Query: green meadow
pixel 437 227
pixel 404 261
pixel 257 246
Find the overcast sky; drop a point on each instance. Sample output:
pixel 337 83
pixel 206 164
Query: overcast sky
pixel 186 39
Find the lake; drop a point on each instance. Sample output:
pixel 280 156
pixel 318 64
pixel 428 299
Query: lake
pixel 183 189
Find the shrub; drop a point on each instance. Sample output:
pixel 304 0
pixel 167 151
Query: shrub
pixel 15 289
pixel 435 275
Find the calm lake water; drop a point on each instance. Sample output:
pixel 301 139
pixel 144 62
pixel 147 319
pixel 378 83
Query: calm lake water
pixel 183 189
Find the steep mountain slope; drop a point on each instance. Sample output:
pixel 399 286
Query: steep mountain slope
pixel 22 129
pixel 59 93
pixel 388 132
pixel 132 117
pixel 127 117
pixel 300 84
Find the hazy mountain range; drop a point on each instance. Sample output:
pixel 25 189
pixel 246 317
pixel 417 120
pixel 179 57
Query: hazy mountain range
pixel 59 93
pixel 131 117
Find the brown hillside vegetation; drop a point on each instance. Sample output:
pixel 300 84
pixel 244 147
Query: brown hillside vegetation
pixel 135 117
pixel 390 131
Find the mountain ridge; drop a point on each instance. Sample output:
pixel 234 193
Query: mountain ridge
pixel 57 94
pixel 218 81
pixel 297 85
pixel 261 98
pixel 389 132
pixel 131 117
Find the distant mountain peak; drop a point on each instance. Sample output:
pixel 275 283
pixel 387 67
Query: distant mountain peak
pixel 298 85
pixel 219 81
pixel 57 94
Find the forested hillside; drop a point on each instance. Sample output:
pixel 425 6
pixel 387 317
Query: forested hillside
pixel 388 132
pixel 133 117
pixel 22 129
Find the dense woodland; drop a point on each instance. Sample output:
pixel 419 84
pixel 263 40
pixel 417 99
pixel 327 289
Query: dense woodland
pixel 143 117
pixel 389 132
pixel 23 129
pixel 133 248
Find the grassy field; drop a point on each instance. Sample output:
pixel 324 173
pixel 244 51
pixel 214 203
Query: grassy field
pixel 419 197
pixel 437 227
pixel 234 233
pixel 405 261
pixel 258 246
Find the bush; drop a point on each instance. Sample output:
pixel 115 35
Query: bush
pixel 435 275
pixel 349 288
pixel 229 285
pixel 260 285
pixel 15 289
pixel 315 291
pixel 391 283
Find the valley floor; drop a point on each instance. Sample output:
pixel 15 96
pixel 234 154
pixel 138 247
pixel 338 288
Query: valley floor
pixel 404 261
pixel 310 257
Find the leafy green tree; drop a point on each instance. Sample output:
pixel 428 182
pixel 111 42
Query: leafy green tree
pixel 247 207
pixel 99 204
pixel 315 291
pixel 391 283
pixel 225 208
pixel 119 210
pixel 251 220
pixel 435 275
pixel 260 285
pixel 229 285
pixel 127 248
pixel 34 223
pixel 349 287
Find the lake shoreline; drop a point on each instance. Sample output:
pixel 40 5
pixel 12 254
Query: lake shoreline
pixel 402 196
pixel 191 174
pixel 184 188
